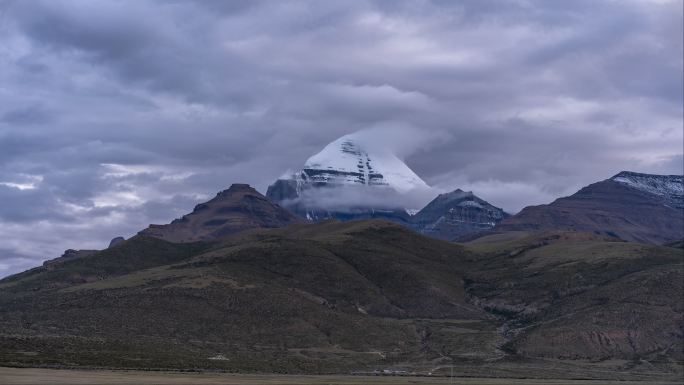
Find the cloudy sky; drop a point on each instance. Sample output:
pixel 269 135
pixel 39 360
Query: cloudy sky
pixel 116 114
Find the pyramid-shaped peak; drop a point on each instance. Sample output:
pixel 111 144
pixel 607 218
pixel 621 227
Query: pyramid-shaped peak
pixel 358 160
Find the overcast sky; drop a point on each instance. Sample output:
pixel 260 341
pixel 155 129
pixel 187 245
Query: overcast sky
pixel 117 114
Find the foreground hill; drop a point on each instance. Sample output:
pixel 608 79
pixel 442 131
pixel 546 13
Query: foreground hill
pixel 578 296
pixel 630 206
pixel 310 298
pixel 355 296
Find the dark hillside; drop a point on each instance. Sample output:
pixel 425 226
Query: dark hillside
pixel 342 297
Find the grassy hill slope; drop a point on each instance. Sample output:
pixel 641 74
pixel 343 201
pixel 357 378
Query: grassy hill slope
pixel 355 296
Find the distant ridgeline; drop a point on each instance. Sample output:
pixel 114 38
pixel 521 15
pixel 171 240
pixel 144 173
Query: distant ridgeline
pixel 630 206
pixel 352 179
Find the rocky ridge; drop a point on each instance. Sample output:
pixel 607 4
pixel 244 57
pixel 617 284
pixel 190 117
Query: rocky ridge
pixel 631 206
pixel 236 209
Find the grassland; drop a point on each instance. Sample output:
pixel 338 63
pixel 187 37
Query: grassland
pixel 339 298
pixel 15 376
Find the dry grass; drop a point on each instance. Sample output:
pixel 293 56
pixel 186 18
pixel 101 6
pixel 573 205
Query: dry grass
pixel 15 376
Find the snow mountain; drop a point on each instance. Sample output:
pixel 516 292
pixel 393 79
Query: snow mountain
pixel 348 161
pixel 349 175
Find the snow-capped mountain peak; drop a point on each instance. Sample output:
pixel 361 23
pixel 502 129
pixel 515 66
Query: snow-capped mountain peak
pixel 349 160
pixel 353 174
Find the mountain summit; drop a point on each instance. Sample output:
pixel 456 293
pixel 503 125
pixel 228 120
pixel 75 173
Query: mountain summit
pixel 351 174
pixel 352 161
pixel 238 208
pixel 348 161
pixel 456 214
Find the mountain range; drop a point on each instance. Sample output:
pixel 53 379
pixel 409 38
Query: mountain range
pixel 589 286
pixel 353 178
pixel 263 291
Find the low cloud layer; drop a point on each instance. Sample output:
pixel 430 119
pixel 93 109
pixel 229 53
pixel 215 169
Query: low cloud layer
pixel 350 199
pixel 117 114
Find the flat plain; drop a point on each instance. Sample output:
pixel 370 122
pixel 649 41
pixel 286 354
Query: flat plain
pixel 22 376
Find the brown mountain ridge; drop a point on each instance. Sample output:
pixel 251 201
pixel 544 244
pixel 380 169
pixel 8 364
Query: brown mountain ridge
pixel 631 206
pixel 236 209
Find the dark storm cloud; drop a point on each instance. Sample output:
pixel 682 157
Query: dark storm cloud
pixel 117 114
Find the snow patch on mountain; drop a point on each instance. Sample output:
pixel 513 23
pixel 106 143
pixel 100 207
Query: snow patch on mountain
pixel 470 204
pixel 412 212
pixel 663 185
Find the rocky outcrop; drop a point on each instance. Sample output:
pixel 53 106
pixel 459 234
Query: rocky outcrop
pixel 116 241
pixel 236 209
